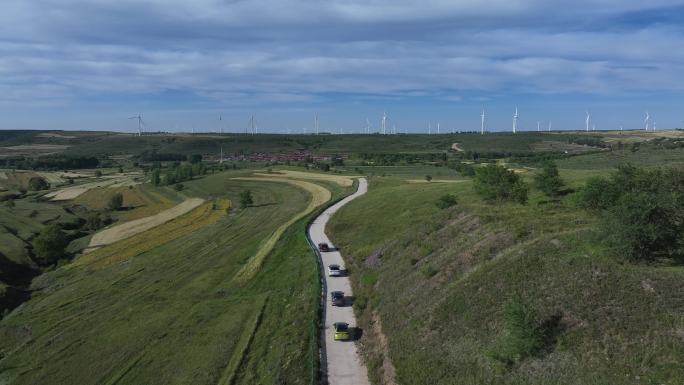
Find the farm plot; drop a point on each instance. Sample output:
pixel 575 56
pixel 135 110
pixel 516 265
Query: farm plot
pixel 128 229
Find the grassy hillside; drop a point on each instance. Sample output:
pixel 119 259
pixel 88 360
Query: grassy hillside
pixel 171 314
pixel 432 285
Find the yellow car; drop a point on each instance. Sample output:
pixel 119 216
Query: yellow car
pixel 342 332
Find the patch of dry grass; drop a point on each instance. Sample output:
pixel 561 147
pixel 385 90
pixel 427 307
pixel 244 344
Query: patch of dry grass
pixel 123 250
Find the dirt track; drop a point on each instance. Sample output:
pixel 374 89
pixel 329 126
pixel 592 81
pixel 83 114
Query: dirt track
pixel 131 228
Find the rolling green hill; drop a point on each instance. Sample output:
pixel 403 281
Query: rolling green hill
pixel 432 288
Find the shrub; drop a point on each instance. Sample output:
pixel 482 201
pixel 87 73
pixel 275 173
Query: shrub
pixel 429 271
pixel 522 336
pixel 496 183
pixel 179 186
pixel 642 211
pixel 115 202
pixel 246 199
pixel 98 173
pixel 446 201
pixel 548 180
pixel 49 246
pixel 156 178
pixel 37 183
pixel 428 178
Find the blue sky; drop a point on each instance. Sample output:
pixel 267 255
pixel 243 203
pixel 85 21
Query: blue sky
pixel 90 64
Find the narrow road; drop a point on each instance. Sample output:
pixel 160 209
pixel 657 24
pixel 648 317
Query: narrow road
pixel 342 361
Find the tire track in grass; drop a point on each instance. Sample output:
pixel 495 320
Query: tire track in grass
pixel 319 195
pixel 238 356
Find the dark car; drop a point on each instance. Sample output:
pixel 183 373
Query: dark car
pixel 337 298
pixel 323 247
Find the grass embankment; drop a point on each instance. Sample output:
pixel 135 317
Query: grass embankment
pixel 171 315
pixel 439 279
pixel 319 195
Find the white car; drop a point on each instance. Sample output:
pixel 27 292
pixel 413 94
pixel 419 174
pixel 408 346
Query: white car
pixel 334 271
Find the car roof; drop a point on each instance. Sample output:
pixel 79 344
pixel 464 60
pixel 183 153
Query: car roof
pixel 334 266
pixel 335 293
pixel 343 325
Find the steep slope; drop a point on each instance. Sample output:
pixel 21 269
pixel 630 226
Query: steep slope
pixel 438 282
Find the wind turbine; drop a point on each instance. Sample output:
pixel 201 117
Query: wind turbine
pixel 368 126
pixel 316 123
pixel 482 122
pixel 429 128
pixel 383 123
pixel 549 130
pixel 515 120
pixel 140 123
pixel 538 127
pixel 588 119
pixel 647 120
pixel 438 128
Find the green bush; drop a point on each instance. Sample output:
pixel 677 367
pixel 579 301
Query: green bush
pixel 246 199
pixel 50 245
pixel 522 336
pixel 446 201
pixel 548 180
pixel 428 178
pixel 497 183
pixel 179 187
pixel 429 271
pixel 37 183
pixel 642 211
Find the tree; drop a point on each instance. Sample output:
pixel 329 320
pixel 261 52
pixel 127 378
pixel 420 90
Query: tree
pixel 446 201
pixel 428 178
pixel 115 202
pixel 246 199
pixel 50 245
pixel 548 180
pixel 497 183
pixel 179 186
pixel 37 183
pixel 195 158
pixel 98 173
pixel 156 179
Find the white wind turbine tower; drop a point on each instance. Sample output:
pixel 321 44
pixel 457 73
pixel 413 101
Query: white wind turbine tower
pixel 429 128
pixel 368 126
pixel 588 119
pixel 140 123
pixel 438 128
pixel 383 123
pixel 316 123
pixel 515 120
pixel 538 126
pixel 549 130
pixel 482 122
pixel 647 120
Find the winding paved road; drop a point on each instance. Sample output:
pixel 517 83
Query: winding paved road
pixel 342 361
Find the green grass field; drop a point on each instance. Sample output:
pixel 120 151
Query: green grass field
pixel 171 315
pixel 438 280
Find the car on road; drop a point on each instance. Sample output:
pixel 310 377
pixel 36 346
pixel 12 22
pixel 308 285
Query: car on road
pixel 337 298
pixel 342 331
pixel 323 247
pixel 334 271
